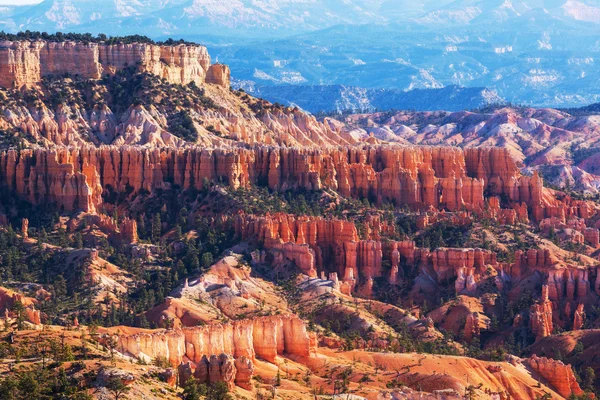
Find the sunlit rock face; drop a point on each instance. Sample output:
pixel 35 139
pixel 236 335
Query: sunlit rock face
pixel 24 63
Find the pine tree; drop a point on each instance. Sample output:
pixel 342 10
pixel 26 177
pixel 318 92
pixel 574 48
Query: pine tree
pixel 78 242
pixel 156 228
pixel 207 260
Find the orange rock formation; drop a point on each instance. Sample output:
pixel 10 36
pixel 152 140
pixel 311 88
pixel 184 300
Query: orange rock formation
pixel 226 347
pixel 557 375
pixel 421 177
pixel 8 298
pixel 540 316
pixel 24 63
pixel 579 318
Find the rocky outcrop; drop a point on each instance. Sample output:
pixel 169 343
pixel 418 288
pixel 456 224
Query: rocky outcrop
pixel 535 259
pixel 52 176
pixel 245 371
pixel 8 298
pixel 537 137
pixel 579 318
pixel 25 63
pixel 568 283
pixel 25 228
pixel 558 376
pixel 540 316
pixel 331 248
pixel 73 124
pixel 419 177
pixel 221 352
pixel 219 74
pixel 313 244
pixel 185 372
pixel 169 376
pixel 124 231
pixel 265 338
pixel 221 369
pixel 592 236
pixel 472 328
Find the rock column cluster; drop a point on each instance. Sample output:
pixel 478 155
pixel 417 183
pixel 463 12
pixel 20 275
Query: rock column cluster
pixel 222 352
pixel 419 177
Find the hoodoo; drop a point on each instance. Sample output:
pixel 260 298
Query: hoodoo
pixel 165 235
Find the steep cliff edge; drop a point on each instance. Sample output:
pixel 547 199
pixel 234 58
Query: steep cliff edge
pixel 418 177
pixel 263 337
pixel 557 375
pixel 139 108
pixel 220 352
pixel 25 63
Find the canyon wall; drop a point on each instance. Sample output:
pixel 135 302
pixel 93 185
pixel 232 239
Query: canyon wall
pixel 418 177
pixel 557 375
pixel 467 182
pixel 24 63
pixel 331 249
pixel 265 338
pixel 8 298
pixel 221 352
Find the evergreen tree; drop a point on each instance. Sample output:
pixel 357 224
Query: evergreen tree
pixel 156 228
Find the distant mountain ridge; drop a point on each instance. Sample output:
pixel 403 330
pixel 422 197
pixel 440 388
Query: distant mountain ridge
pixel 291 16
pixel 339 98
pixel 534 52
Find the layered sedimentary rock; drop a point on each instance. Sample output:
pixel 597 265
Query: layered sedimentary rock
pixel 221 369
pixel 76 125
pixel 420 177
pixel 557 375
pixel 540 316
pixel 52 176
pixel 8 298
pixel 592 236
pixel 568 283
pixel 472 328
pixel 332 248
pixel 24 63
pixel 124 231
pixel 265 338
pixel 312 243
pixel 219 74
pixel 578 318
pixel 25 228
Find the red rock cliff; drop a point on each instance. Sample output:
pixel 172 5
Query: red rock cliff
pixel 24 63
pixel 419 177
pixel 558 375
pixel 8 298
pixel 265 338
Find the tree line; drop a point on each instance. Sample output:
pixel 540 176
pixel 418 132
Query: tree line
pixel 86 38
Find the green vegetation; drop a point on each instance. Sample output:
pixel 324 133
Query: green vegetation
pixel 182 126
pixel 40 383
pixel 129 87
pixel 443 234
pixel 580 154
pixel 86 38
pixel 194 390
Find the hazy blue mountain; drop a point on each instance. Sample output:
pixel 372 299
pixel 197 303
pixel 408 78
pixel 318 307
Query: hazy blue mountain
pixel 277 18
pixel 538 52
pixel 338 98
